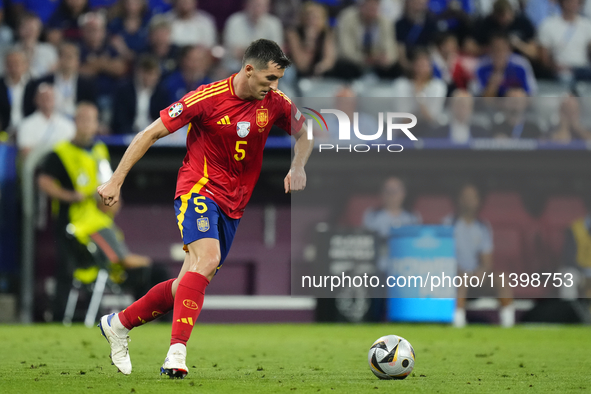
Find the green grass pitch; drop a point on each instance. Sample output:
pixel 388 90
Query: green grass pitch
pixel 299 359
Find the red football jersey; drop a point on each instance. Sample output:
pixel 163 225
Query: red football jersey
pixel 225 141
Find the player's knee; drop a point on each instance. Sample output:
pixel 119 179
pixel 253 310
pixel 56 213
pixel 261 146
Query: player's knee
pixel 207 264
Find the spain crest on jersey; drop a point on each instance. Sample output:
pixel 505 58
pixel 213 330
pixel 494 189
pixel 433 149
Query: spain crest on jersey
pixel 243 128
pixel 203 224
pixel 262 117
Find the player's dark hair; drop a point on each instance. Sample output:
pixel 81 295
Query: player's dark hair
pixel 260 52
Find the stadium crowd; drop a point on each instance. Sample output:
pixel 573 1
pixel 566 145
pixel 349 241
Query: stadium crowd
pixel 133 57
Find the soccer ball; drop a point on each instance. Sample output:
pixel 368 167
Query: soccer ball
pixel 391 357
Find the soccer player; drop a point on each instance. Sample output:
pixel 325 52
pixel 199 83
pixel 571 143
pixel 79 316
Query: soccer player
pixel 229 122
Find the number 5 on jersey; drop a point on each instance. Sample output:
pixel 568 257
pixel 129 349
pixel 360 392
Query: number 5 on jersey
pixel 240 153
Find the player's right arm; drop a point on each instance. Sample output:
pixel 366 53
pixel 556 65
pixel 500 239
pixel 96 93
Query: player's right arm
pixel 110 190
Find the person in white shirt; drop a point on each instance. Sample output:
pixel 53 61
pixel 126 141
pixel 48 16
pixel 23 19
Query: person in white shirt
pixel 45 127
pixel 70 87
pixel 566 41
pixel 347 101
pixel 392 213
pixel 428 93
pixel 42 56
pixel 137 103
pixel 246 26
pixel 459 129
pixel 474 254
pixel 12 88
pixel 191 26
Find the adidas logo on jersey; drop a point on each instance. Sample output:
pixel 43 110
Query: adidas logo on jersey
pixel 224 120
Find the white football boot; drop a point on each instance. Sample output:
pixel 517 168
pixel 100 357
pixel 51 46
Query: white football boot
pixel 119 349
pixel 174 365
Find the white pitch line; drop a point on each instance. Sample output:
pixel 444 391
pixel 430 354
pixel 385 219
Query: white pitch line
pixel 259 303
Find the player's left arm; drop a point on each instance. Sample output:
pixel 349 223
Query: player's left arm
pixel 296 177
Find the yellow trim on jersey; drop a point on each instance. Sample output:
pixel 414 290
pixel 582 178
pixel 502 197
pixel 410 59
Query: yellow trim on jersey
pixel 185 197
pixel 279 92
pixel 205 93
pixel 188 128
pixel 208 96
pixel 230 83
pixel 215 85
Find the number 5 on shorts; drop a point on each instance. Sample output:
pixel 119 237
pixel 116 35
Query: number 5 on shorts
pixel 200 207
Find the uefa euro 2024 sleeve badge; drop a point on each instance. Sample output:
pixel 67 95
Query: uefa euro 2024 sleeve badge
pixel 175 110
pixel 243 128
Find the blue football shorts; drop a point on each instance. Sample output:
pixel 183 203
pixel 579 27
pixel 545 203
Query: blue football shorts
pixel 200 217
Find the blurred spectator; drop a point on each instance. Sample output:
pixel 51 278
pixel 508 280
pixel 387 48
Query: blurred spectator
pixel 366 41
pixel 346 101
pixel 137 103
pixel 194 68
pixel 157 7
pixel 311 43
pixel 460 128
pixel 570 126
pixel 577 252
pixel 45 127
pixel 538 10
pixel 392 10
pixel 70 87
pixel 474 254
pixel 64 24
pixel 391 214
pixel 6 35
pixel 453 68
pixel 452 16
pixel 42 8
pixel 515 124
pixel 191 26
pixel 42 57
pixel 565 41
pixel 130 28
pixel 426 93
pixel 244 27
pixel 285 11
pixel 501 70
pixel 416 28
pixel 335 7
pixel 160 45
pixel 98 58
pixel 70 175
pixel 12 88
pixel 483 8
pixel 505 20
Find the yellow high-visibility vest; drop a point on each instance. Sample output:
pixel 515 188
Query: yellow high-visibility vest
pixel 83 168
pixel 583 243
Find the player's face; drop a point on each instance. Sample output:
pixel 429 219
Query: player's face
pixel 262 82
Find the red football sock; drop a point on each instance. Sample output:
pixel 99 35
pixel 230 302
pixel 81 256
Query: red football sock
pixel 157 302
pixel 187 305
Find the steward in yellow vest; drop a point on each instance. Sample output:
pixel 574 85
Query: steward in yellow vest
pixel 70 176
pixel 577 251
